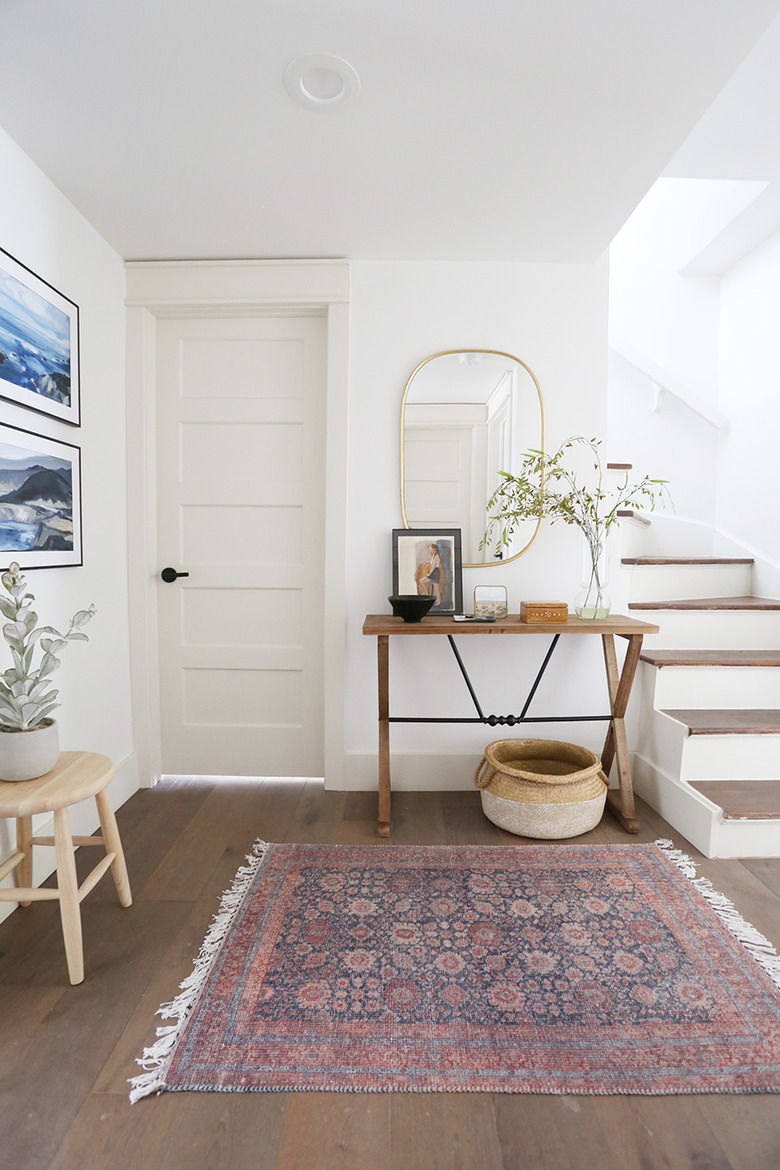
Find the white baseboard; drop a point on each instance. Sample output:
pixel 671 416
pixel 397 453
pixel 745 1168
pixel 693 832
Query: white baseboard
pixel 84 821
pixel 421 772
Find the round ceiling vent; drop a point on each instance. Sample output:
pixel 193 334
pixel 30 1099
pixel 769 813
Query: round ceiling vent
pixel 321 82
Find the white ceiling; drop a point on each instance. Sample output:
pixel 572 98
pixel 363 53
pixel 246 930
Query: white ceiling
pixel 492 130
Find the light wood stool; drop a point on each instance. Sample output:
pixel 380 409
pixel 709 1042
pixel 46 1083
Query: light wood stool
pixel 75 777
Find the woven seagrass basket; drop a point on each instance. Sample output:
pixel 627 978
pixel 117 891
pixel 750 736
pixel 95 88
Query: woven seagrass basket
pixel 541 787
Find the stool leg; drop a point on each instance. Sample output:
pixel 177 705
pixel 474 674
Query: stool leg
pixel 69 895
pixel 113 842
pixel 24 869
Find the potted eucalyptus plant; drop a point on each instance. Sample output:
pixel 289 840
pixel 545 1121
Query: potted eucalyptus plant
pixel 547 486
pixel 29 742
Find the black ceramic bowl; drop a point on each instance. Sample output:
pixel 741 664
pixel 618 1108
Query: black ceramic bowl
pixel 411 606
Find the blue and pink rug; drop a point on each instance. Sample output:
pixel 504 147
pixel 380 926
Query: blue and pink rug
pixel 552 969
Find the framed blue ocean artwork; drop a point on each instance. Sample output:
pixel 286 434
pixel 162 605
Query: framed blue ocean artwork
pixel 40 501
pixel 39 343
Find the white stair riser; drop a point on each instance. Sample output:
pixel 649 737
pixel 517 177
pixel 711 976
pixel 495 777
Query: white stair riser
pixel 664 742
pixel 731 757
pixel 712 629
pixel 700 821
pixel 674 582
pixel 719 687
pixel 633 538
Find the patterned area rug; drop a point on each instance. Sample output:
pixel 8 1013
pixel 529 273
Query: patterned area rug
pixel 552 969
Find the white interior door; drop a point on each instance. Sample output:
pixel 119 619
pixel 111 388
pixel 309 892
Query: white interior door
pixel 240 489
pixel 437 477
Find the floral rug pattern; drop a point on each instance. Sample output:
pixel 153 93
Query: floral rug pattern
pixel 555 969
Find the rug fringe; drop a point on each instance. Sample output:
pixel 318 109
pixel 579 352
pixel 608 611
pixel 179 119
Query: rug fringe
pixel 157 1058
pixel 755 943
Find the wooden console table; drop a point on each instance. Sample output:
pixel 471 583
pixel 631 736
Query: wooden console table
pixel 619 682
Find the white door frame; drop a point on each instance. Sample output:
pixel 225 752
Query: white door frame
pixel 157 289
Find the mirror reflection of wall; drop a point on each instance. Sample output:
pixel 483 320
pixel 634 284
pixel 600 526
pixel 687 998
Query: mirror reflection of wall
pixel 466 416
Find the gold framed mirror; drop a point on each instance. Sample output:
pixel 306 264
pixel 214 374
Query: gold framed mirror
pixel 466 415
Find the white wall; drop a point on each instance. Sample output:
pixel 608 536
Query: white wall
pixel 665 316
pixel 750 393
pixel 554 317
pixel 43 230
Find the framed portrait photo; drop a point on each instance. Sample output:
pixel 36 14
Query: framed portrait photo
pixel 39 343
pixel 40 501
pixel 428 561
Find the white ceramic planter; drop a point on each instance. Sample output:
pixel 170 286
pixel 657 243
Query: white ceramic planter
pixel 24 755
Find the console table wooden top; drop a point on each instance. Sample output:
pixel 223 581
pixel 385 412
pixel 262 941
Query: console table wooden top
pixel 377 623
pixel 619 682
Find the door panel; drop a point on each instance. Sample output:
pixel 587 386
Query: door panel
pixel 241 408
pixel 437 477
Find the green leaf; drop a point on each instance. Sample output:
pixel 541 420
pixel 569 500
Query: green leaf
pixel 44 713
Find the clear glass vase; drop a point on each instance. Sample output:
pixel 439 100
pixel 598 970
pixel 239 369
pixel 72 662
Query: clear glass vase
pixel 593 601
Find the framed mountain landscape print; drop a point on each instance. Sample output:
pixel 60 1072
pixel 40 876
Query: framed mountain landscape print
pixel 40 501
pixel 39 343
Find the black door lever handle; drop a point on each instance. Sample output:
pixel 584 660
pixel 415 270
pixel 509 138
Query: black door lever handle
pixel 168 575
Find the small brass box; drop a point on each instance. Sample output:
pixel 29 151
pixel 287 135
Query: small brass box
pixel 544 611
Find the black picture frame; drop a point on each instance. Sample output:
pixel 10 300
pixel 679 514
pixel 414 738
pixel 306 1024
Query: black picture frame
pixel 410 546
pixel 40 501
pixel 39 344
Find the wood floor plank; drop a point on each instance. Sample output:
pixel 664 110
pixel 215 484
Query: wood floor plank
pixel 335 1131
pixel 443 1131
pixel 418 818
pixel 767 870
pixel 360 833
pixel 66 1052
pixel 163 983
pixel 668 1132
pixel 318 814
pixel 360 806
pixel 747 1128
pixel 465 823
pixel 110 1134
pixel 235 813
pixel 144 825
pixel 23 1008
pixel 226 1131
pixel 41 1096
pixel 551 1133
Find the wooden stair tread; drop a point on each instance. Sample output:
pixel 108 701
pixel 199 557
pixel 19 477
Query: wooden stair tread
pixel 687 561
pixel 741 721
pixel 746 603
pixel 630 514
pixel 742 799
pixel 711 657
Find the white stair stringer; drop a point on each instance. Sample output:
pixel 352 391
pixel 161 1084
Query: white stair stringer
pixel 699 820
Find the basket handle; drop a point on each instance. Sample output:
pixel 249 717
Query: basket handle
pixel 483 780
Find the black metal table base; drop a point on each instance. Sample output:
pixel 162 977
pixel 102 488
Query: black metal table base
pixel 502 720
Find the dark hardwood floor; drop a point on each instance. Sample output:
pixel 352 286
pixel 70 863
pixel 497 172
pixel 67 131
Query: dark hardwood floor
pixel 66 1052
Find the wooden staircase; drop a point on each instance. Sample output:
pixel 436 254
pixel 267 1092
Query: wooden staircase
pixel 708 733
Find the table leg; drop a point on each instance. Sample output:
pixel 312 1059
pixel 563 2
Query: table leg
pixel 616 744
pixel 114 845
pixel 69 895
pixel 383 655
pixel 24 870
